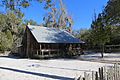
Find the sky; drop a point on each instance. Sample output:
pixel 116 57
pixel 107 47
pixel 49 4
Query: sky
pixel 82 11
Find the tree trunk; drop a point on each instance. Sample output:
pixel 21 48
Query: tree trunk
pixel 102 52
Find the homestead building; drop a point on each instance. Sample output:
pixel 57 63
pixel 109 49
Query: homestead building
pixel 41 42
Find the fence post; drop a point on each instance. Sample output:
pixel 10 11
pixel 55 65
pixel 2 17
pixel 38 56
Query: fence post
pixel 115 70
pixel 105 72
pixel 85 75
pixel 79 78
pixel 101 73
pixel 112 73
pixel 88 77
pixel 96 76
pixel 118 73
pixel 83 78
pixel 93 75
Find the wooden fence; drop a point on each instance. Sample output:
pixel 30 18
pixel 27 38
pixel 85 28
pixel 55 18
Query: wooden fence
pixel 103 73
pixel 107 48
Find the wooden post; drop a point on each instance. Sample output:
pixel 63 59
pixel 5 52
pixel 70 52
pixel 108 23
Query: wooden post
pixel 108 74
pixel 79 78
pixel 111 73
pixel 101 73
pixel 49 53
pixel 93 75
pixel 114 72
pixel 85 75
pixel 88 77
pixel 105 73
pixel 37 52
pixel 42 53
pixel 96 76
pixel 83 78
pixel 40 49
pixel 119 73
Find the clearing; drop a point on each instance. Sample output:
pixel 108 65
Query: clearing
pixel 52 69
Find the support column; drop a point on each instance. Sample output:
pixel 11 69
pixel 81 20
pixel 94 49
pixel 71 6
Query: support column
pixel 37 52
pixel 42 53
pixel 49 54
pixel 40 49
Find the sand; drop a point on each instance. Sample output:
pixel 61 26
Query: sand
pixel 54 69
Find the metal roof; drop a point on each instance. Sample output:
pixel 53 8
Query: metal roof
pixel 52 35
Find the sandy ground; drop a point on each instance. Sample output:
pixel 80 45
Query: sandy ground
pixel 54 69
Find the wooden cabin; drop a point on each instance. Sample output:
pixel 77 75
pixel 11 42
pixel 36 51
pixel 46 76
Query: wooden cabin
pixel 41 42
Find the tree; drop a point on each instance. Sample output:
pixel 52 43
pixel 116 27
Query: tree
pixel 112 12
pixel 3 41
pixel 100 37
pixel 10 30
pixel 112 18
pixel 100 34
pixel 31 22
pixel 55 18
pixel 115 35
pixel 16 5
pixel 107 24
pixel 84 35
pixel 11 22
pixel 58 18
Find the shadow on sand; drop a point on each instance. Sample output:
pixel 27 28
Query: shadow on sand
pixel 38 74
